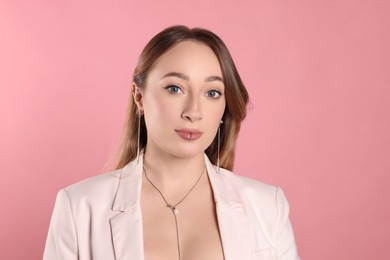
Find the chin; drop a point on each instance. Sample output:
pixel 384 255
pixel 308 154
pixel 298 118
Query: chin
pixel 187 151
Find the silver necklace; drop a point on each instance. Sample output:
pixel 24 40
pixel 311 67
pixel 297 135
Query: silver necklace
pixel 173 208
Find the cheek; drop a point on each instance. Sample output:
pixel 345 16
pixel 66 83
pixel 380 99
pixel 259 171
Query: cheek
pixel 214 115
pixel 159 108
pixel 218 111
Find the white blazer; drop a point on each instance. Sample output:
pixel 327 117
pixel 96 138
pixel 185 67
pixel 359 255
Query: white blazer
pixel 100 218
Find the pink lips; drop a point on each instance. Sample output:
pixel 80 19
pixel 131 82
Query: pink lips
pixel 189 134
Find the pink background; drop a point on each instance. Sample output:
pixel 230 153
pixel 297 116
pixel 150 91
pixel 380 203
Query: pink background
pixel 318 73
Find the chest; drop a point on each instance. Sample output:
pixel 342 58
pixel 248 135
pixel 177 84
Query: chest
pixel 193 229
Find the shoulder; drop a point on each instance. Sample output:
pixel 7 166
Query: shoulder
pixel 93 190
pixel 260 198
pixel 266 209
pixel 246 186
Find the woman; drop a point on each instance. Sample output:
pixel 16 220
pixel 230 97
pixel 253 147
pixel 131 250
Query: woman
pixel 173 195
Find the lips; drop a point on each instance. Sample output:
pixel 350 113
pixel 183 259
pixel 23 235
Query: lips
pixel 189 134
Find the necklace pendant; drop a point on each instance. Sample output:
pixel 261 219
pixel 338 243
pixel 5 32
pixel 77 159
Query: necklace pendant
pixel 176 211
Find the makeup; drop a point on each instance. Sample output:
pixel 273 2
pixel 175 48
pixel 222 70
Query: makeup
pixel 189 134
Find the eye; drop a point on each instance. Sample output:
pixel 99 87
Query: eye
pixel 213 94
pixel 174 89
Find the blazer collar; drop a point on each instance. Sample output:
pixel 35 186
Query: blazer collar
pixel 129 186
pixel 127 229
pixel 231 214
pixel 126 226
pixel 222 189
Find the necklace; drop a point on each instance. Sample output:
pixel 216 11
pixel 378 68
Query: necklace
pixel 173 208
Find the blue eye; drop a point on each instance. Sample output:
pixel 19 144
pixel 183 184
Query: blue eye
pixel 174 89
pixel 213 93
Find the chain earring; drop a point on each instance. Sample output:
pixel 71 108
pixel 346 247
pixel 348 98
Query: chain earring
pixel 219 143
pixel 139 113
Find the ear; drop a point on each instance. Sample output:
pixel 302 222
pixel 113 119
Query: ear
pixel 137 96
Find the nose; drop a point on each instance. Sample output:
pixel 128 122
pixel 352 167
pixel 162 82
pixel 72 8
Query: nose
pixel 192 110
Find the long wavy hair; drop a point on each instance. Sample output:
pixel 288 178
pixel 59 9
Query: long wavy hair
pixel 235 93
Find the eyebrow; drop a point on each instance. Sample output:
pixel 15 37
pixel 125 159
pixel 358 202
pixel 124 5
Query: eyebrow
pixel 185 77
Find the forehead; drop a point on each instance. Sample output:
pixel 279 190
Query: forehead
pixel 188 56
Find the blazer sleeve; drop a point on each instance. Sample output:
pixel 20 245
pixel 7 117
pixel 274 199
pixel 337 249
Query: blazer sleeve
pixel 61 242
pixel 286 247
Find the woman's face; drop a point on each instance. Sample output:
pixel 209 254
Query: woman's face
pixel 183 100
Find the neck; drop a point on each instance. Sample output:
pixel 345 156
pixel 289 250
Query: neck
pixel 170 171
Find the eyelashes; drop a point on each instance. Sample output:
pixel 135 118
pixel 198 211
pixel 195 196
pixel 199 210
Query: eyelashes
pixel 214 93
pixel 175 89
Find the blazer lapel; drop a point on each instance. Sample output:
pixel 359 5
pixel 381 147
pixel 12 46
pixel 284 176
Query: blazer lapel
pixel 231 215
pixel 126 226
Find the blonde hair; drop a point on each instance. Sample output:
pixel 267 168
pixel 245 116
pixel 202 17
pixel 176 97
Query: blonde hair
pixel 235 92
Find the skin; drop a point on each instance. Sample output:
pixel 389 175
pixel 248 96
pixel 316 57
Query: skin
pixel 184 90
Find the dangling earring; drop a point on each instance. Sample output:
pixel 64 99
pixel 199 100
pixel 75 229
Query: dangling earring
pixel 219 142
pixel 139 113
